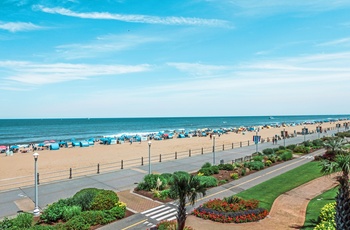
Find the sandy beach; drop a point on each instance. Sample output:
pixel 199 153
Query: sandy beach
pixel 21 164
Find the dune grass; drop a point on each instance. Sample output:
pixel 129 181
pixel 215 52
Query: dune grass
pixel 268 191
pixel 315 205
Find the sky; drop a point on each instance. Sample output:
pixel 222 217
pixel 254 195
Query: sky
pixel 151 58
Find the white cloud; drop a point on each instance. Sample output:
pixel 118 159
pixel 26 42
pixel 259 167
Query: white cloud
pixel 39 74
pixel 135 18
pixel 197 69
pixel 258 7
pixel 19 26
pixel 342 41
pixel 103 44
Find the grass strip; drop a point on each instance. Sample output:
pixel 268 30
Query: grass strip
pixel 268 191
pixel 314 207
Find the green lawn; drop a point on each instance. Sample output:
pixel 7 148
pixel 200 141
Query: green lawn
pixel 268 191
pixel 315 205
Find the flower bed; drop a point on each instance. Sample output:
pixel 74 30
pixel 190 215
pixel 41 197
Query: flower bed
pixel 231 210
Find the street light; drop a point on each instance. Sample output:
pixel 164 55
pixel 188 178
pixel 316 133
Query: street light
pixel 149 157
pixel 213 149
pixel 36 211
pixel 284 137
pixel 256 141
pixel 304 131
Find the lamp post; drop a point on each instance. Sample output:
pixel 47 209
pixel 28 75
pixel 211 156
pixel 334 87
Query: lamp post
pixel 149 157
pixel 304 131
pixel 284 137
pixel 36 211
pixel 213 149
pixel 256 142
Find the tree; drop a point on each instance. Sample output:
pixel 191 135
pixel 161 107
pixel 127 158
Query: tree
pixel 186 187
pixel 334 144
pixel 341 163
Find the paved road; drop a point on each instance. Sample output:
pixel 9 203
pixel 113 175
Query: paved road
pixel 12 201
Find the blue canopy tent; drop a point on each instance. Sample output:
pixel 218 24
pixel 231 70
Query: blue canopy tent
pixel 63 143
pixel 181 135
pixel 91 141
pixel 84 144
pixel 54 146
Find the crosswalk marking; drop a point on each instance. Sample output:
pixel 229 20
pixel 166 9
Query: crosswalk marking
pixel 166 216
pixel 157 214
pixel 152 209
pixel 158 211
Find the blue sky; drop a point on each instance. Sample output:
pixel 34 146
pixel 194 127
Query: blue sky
pixel 151 58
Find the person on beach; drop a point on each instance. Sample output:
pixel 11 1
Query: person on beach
pixel 131 141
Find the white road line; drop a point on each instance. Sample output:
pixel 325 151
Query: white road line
pixel 150 210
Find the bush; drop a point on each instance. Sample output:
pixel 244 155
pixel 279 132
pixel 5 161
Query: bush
pixel 318 143
pixel 268 151
pixel 300 149
pixel 209 181
pixel 23 221
pixel 104 200
pixel 244 172
pixel 54 212
pixel 272 158
pixel 70 211
pixel 166 176
pixel 281 147
pixel 117 212
pixel 307 143
pixel 326 217
pixel 215 169
pixel 6 223
pixel 77 222
pixel 94 217
pixel 206 171
pixel 286 156
pixel 170 225
pixel 228 167
pixel 84 198
pixel 258 158
pixel 234 176
pixel 206 165
pixel 150 182
pixel 291 147
pixel 232 199
pixel 256 165
pixel 268 163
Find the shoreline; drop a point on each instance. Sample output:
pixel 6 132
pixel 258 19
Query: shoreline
pixel 21 164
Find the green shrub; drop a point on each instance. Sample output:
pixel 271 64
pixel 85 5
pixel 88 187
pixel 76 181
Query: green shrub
pixel 258 158
pixel 6 223
pixel 281 147
pixel 23 221
pixel 318 143
pixel 326 217
pixel 206 165
pixel 206 171
pixel 54 212
pixel 307 143
pixel 77 223
pixel 272 158
pixel 291 147
pixel 215 169
pixel 94 217
pixel 286 156
pixel 222 182
pixel 70 211
pixel 268 151
pixel 268 163
pixel 300 149
pixel 234 176
pixel 209 181
pixel 228 167
pixel 104 200
pixel 167 176
pixel 46 227
pixel 84 198
pixel 256 165
pixel 232 199
pixel 243 172
pixel 116 212
pixel 150 182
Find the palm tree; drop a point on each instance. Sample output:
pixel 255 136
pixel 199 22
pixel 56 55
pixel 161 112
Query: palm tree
pixel 334 144
pixel 186 187
pixel 341 163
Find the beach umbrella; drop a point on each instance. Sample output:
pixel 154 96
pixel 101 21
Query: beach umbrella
pixel 52 141
pixel 3 147
pixel 41 144
pixel 14 147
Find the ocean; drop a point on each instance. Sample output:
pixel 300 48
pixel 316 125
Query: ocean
pixel 23 131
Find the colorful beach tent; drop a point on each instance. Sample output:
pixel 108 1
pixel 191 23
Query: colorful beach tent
pixel 84 144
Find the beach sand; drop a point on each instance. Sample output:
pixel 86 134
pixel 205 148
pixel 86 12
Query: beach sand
pixel 22 164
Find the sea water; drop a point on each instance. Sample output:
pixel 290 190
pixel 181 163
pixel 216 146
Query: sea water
pixel 21 131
